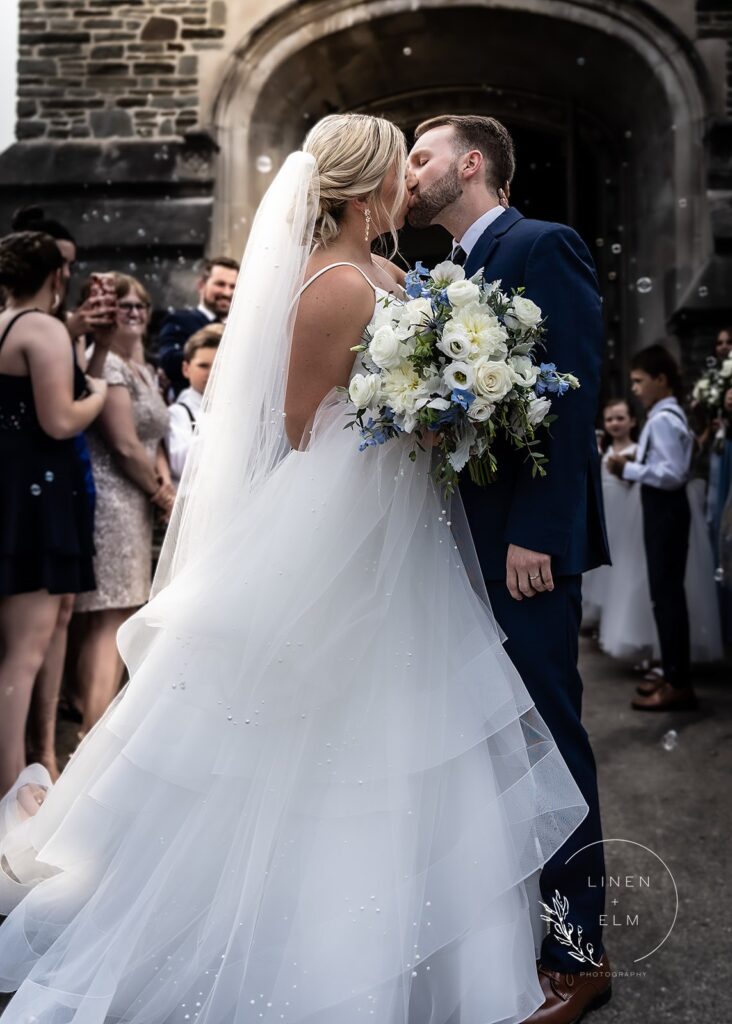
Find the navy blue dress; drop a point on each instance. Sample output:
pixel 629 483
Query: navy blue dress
pixel 46 518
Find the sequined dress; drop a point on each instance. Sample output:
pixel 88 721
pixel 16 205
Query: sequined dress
pixel 124 516
pixel 46 530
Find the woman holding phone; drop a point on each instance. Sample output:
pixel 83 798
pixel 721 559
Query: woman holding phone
pixel 46 540
pixel 132 478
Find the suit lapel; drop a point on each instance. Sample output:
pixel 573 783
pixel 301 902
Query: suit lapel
pixel 484 248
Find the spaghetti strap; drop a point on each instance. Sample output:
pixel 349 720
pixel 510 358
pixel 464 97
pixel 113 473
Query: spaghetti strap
pixel 330 266
pixel 13 322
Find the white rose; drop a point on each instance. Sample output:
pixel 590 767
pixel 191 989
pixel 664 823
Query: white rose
pixel 385 348
pixel 538 410
pixel 524 371
pixel 726 368
pixel 460 293
pixel 455 341
pixel 459 375
pixel 480 410
pixel 364 390
pixel 493 380
pixel 525 311
pixel 384 314
pixel 447 272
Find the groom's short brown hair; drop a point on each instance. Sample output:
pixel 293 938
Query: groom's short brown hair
pixel 485 134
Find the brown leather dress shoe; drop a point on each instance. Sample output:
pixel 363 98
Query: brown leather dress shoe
pixel 667 698
pixel 569 997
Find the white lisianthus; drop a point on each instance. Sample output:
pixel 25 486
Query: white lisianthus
pixel 460 293
pixel 385 348
pixel 726 368
pixel 364 390
pixel 459 375
pixel 524 371
pixel 701 388
pixel 480 410
pixel 384 314
pixel 538 410
pixel 447 272
pixel 525 313
pixel 415 316
pixel 486 333
pixel 493 380
pixel 455 341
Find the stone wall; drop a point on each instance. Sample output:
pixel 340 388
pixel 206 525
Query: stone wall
pixel 101 69
pixel 714 21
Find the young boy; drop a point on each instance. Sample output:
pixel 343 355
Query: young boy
pixel 198 358
pixel 661 466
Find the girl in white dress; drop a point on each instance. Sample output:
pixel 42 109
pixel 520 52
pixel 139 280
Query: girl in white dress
pixel 325 789
pixel 617 597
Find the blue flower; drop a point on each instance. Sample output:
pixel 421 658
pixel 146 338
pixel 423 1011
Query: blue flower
pixel 421 269
pixel 462 398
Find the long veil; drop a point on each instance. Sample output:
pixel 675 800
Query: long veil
pixel 242 436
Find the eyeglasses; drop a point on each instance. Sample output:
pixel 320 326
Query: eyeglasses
pixel 130 307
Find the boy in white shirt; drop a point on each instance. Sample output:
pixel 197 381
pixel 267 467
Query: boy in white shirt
pixel 198 359
pixel 661 466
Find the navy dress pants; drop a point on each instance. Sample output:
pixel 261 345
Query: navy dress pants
pixel 543 636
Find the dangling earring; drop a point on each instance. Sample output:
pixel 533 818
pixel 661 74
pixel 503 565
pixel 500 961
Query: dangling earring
pixel 367 215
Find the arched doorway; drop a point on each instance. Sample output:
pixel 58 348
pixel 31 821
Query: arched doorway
pixel 622 165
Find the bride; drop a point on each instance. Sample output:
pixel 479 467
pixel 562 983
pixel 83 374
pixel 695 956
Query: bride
pixel 325 790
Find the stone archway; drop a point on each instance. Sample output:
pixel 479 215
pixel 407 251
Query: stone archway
pixel 546 65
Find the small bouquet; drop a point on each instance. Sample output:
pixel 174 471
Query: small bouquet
pixel 709 390
pixel 457 359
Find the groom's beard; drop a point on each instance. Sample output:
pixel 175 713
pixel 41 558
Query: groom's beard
pixel 430 203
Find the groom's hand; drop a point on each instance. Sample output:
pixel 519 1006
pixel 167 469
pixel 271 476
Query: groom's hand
pixel 527 572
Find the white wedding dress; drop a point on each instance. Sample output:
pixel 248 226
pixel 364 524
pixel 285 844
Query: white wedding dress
pixel 323 793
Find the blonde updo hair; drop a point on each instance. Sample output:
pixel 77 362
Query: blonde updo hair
pixel 354 153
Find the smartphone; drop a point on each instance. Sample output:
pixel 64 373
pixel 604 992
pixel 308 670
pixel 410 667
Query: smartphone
pixel 102 287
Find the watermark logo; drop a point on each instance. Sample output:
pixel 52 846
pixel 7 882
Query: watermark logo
pixel 641 904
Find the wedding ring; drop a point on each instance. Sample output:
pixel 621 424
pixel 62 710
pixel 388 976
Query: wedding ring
pixel 535 577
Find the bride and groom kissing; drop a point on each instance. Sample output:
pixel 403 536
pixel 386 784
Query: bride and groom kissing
pixel 352 734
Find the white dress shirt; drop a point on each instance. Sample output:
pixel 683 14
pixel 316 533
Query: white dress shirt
pixel 180 429
pixel 476 229
pixel 664 448
pixel 206 312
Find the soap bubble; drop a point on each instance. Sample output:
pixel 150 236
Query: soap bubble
pixel 703 291
pixel 264 164
pixel 683 203
pixel 644 285
pixel 407 51
pixel 616 248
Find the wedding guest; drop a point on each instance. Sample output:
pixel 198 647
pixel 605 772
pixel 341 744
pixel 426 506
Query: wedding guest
pixel 198 359
pixel 46 540
pixel 618 595
pixel 618 439
pixel 132 476
pixel 92 317
pixel 720 456
pixel 215 292
pixel 661 467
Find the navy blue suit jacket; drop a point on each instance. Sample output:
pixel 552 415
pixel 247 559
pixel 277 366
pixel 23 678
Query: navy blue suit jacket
pixel 175 331
pixel 560 514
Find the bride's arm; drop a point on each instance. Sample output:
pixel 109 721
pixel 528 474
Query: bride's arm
pixel 393 270
pixel 331 318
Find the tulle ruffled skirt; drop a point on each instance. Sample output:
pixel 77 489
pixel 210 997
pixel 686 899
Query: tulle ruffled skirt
pixel 320 798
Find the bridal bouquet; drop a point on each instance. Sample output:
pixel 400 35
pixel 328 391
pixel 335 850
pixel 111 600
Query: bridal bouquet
pixel 710 388
pixel 457 359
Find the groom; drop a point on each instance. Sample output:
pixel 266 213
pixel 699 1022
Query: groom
pixel 535 536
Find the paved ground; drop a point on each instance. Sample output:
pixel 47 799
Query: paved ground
pixel 676 803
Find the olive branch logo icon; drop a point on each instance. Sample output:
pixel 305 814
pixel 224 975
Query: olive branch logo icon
pixel 556 916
